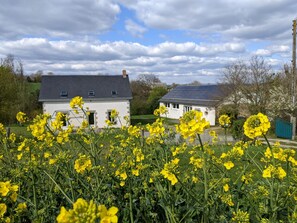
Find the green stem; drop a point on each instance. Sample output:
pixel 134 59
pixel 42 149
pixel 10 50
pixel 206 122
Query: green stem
pixel 272 195
pixel 225 135
pixel 205 181
pixel 131 207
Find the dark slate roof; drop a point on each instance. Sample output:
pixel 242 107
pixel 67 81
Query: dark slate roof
pixel 205 95
pixel 93 87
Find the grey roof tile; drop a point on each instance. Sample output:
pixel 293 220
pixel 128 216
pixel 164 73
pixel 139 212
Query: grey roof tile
pixel 205 95
pixel 104 87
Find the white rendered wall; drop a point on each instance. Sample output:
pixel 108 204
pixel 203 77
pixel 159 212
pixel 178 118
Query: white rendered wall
pixel 209 113
pixel 100 108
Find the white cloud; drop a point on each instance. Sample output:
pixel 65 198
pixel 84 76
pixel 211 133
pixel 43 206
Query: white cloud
pixel 250 19
pixel 64 36
pixel 134 28
pixel 81 57
pixel 56 18
pixel 273 49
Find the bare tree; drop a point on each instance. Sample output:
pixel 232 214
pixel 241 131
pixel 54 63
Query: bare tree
pixel 234 79
pixel 250 83
pixel 258 82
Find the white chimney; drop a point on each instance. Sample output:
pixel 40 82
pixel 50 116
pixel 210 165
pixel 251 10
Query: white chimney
pixel 124 73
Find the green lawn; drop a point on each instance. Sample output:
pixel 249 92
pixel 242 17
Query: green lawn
pixel 148 119
pixel 34 86
pixel 20 131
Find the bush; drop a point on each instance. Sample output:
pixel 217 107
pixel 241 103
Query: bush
pixel 237 129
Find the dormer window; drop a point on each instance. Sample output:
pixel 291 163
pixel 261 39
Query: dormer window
pixel 63 94
pixel 91 93
pixel 114 93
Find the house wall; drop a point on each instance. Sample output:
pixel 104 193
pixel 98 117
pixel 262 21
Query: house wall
pixel 209 113
pixel 100 108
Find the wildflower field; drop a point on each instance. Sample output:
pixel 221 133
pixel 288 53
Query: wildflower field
pixel 119 175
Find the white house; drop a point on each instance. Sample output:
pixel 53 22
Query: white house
pixel 101 94
pixel 184 98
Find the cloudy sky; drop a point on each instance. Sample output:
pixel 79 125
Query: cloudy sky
pixel 179 41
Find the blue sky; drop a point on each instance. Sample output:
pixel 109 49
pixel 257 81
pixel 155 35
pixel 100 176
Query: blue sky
pixel 179 41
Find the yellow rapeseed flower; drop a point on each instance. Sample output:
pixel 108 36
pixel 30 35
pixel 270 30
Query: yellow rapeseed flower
pixel 256 125
pixel 161 110
pixel 76 102
pixel 108 216
pixel 82 212
pixel 4 188
pixel 229 165
pixel 82 163
pixel 2 129
pixel 191 124
pixel 226 187
pixel 197 162
pixel 225 121
pixel 21 117
pixel 168 170
pixel 21 207
pixel 241 217
pixel 3 209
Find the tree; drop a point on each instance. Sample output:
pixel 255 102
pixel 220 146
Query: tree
pixel 282 103
pixel 155 95
pixel 250 84
pixel 141 89
pixel 15 94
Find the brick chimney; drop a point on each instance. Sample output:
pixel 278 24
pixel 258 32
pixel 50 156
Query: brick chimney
pixel 124 73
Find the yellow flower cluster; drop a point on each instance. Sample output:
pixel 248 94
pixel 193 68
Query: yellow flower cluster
pixel 191 124
pixel 214 136
pixel 225 121
pixel 57 123
pixel 2 129
pixel 156 132
pixel 38 128
pixel 134 131
pixel 6 188
pixel 76 102
pixel 21 117
pixel 279 154
pixel 241 217
pixel 196 162
pixel 227 199
pixel 256 125
pixel 82 163
pixel 160 111
pixel 169 169
pixel 87 212
pixel 47 131
pixel 274 172
pixel 114 114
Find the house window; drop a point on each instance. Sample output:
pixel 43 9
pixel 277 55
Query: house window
pixel 91 93
pixel 63 94
pixel 174 105
pixel 187 108
pixel 110 118
pixel 167 105
pixel 91 118
pixel 114 93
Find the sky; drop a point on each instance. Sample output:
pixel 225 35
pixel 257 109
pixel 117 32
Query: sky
pixel 179 41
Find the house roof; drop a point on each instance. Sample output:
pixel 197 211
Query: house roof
pixel 92 87
pixel 204 95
